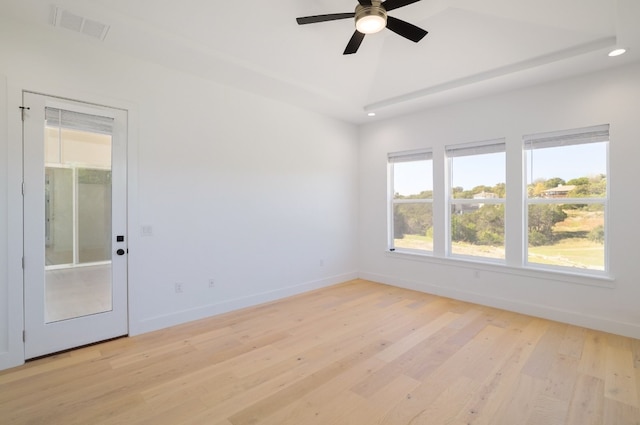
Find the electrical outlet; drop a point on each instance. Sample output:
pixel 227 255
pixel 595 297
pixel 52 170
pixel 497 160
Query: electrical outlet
pixel 178 288
pixel 212 283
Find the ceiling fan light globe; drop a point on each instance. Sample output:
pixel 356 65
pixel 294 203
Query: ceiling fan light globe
pixel 371 24
pixel 371 18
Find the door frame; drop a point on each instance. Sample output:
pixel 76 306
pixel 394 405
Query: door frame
pixel 43 337
pixel 13 354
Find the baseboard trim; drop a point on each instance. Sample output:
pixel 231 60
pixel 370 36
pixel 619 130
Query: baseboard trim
pixel 565 316
pixel 184 316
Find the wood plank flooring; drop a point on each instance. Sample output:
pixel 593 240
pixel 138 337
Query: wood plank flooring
pixel 356 353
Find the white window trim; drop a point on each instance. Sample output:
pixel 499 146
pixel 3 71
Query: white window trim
pixel 560 201
pixel 398 157
pixel 463 201
pixel 471 149
pixel 564 275
pixel 579 136
pixel 518 265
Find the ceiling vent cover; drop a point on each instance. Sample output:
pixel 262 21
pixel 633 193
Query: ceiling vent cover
pixel 62 18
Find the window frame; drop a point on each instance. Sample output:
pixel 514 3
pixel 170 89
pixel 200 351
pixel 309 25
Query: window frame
pixel 573 137
pixel 392 159
pixel 470 149
pixel 516 213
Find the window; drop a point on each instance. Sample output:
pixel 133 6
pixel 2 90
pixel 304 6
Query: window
pixel 567 198
pixel 411 198
pixel 476 199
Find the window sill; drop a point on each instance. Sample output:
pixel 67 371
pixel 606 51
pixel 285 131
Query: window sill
pixel 598 279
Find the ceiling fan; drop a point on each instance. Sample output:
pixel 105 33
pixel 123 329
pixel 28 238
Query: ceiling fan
pixel 371 17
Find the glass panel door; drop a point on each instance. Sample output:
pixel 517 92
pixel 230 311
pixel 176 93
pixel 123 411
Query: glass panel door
pixel 75 224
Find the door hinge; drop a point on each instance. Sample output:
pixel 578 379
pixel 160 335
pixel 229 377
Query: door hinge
pixel 22 263
pixel 24 336
pixel 22 109
pixel 22 188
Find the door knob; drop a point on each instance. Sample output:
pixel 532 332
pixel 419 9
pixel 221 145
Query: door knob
pixel 120 251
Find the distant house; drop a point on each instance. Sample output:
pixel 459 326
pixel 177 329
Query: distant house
pixel 464 208
pixel 467 208
pixel 562 191
pixel 484 195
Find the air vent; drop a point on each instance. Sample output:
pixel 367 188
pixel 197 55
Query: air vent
pixel 62 18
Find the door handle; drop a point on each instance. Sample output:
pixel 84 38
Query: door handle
pixel 120 251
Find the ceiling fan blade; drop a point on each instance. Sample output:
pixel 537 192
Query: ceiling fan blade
pixel 395 4
pixel 405 29
pixel 365 2
pixel 354 43
pixel 324 18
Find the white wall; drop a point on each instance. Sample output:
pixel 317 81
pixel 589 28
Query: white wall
pixel 606 97
pixel 253 193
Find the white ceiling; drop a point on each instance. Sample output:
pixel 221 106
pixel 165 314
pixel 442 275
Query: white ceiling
pixel 473 47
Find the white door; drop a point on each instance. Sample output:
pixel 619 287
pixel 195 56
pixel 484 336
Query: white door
pixel 75 229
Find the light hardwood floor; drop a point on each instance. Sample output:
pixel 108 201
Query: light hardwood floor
pixel 359 353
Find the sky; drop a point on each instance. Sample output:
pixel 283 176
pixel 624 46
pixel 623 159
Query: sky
pixel 411 178
pixel 567 162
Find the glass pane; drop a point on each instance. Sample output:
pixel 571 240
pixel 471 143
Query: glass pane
pixel 478 176
pixel 477 230
pixel 94 215
pixel 569 235
pixel 413 180
pixel 52 145
pixel 413 226
pixel 78 223
pixel 86 148
pixel 72 292
pixel 58 216
pixel 575 171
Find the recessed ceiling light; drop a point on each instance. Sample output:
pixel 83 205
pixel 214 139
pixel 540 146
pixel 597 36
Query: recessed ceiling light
pixel 371 114
pixel 617 52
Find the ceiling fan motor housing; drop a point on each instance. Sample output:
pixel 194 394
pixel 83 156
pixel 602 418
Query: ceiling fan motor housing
pixel 375 12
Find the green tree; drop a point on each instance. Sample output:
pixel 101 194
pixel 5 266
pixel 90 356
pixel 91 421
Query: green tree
pixel 425 194
pixel 500 190
pixel 490 225
pixel 599 185
pixel 462 228
pixel 580 181
pixel 412 219
pixel 553 182
pixel 399 223
pixel 542 218
pixel 536 189
pixel 597 234
pixel 484 226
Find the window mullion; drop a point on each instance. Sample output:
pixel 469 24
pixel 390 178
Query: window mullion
pixel 412 201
